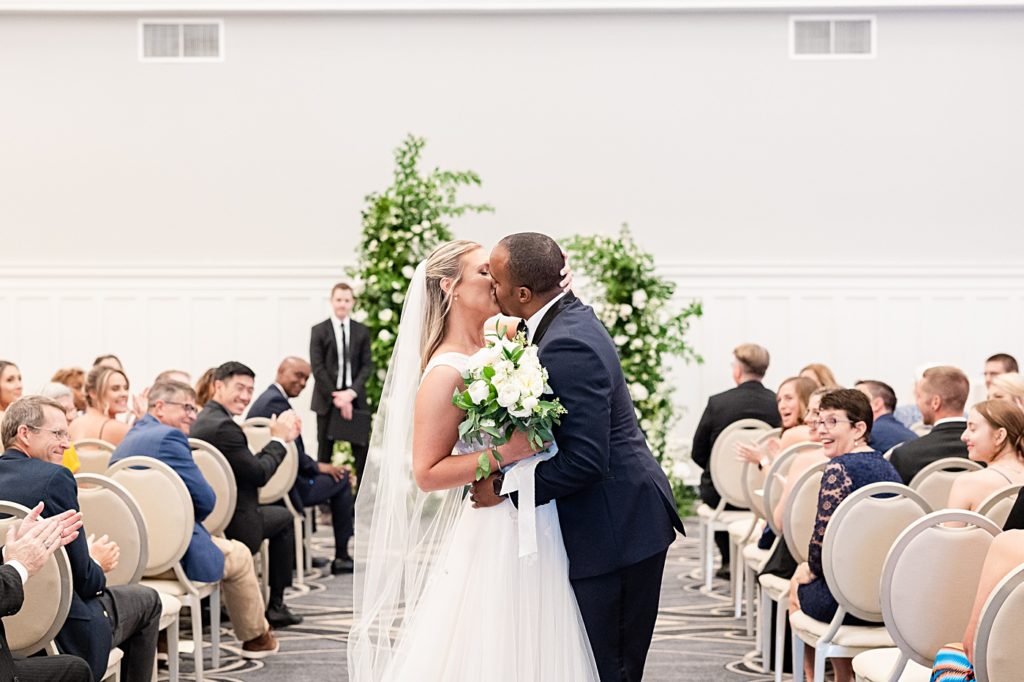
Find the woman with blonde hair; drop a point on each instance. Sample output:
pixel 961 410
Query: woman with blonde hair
pixel 106 396
pixel 1009 386
pixel 820 374
pixel 427 563
pixel 995 437
pixel 791 398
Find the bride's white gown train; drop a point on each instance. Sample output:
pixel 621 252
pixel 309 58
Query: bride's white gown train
pixel 485 613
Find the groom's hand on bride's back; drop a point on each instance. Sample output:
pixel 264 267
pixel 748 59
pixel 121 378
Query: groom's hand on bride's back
pixel 483 493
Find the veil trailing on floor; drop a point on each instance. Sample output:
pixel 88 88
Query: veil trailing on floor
pixel 400 531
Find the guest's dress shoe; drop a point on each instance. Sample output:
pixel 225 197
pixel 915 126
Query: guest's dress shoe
pixel 262 646
pixel 280 616
pixel 343 565
pixel 320 562
pixel 722 573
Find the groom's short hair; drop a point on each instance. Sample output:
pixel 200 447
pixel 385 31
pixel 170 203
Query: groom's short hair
pixel 535 261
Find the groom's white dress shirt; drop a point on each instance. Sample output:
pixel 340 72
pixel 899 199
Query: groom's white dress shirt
pixel 534 321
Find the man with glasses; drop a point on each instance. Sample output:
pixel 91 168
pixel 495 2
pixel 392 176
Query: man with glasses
pixel 35 435
pixel 233 385
pixel 163 434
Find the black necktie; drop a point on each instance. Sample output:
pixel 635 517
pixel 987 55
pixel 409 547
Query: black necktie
pixel 344 357
pixel 522 327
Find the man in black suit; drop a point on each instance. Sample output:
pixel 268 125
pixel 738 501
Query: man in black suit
pixel 339 352
pixel 26 550
pixel 615 505
pixel 35 433
pixel 941 394
pixel 748 400
pixel 317 482
pixel 233 385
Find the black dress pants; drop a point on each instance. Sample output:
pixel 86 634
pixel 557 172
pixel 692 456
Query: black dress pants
pixel 337 494
pixel 325 446
pixel 278 528
pixel 619 610
pixel 134 611
pixel 52 669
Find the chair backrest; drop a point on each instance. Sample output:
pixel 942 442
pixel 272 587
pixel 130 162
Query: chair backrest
pixel 726 470
pixel 217 471
pixel 752 477
pixel 857 539
pixel 166 507
pixel 888 453
pixel 997 506
pixel 929 580
pixel 109 509
pixel 257 432
pixel 920 428
pixel 47 595
pixel 93 455
pixel 802 511
pixel 773 487
pixel 999 639
pixel 934 481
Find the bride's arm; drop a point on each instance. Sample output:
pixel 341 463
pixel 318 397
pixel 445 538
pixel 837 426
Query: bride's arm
pixel 436 430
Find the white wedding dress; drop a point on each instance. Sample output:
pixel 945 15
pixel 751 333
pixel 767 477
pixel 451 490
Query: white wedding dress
pixel 486 613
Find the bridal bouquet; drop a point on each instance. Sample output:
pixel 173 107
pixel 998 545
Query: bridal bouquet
pixel 505 383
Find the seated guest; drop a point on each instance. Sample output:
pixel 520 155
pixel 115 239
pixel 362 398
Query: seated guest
pixel 1009 386
pixel 886 432
pixel 73 378
pixel 252 523
pixel 27 549
pixel 111 361
pixel 1000 363
pixel 106 396
pixel 791 400
pixel 35 434
pixel 748 400
pixel 820 374
pixel 204 387
pixel 953 663
pixel 163 434
pixel 61 394
pixel 172 375
pixel 317 482
pixel 995 437
pixel 844 426
pixel 10 385
pixel 941 395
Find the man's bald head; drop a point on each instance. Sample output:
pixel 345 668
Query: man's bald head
pixel 292 375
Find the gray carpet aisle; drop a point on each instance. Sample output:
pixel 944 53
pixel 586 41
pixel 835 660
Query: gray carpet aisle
pixel 696 637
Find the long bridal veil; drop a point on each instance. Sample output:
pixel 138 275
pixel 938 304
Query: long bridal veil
pixel 400 531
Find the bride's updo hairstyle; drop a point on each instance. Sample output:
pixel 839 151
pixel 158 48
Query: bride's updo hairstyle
pixel 445 263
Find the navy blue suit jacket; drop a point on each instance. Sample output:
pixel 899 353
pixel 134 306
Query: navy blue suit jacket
pixel 149 438
pixel 887 431
pixel 273 402
pixel 86 632
pixel 615 504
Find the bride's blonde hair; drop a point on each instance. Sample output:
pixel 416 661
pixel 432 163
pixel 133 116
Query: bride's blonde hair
pixel 444 263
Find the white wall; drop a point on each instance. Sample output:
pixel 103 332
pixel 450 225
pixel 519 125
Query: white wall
pixel 140 204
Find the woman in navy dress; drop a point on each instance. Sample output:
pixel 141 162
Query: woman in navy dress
pixel 844 427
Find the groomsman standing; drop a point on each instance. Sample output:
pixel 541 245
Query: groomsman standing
pixel 339 352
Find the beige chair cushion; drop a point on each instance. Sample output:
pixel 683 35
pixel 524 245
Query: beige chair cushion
pixel 177 589
pixel 169 609
pixel 852 636
pixel 775 587
pixel 755 557
pixel 738 530
pixel 1000 511
pixel 113 662
pixel 1005 651
pixel 804 514
pixel 104 513
pixel 257 433
pixel 222 481
pixel 724 518
pixel 875 666
pixel 726 471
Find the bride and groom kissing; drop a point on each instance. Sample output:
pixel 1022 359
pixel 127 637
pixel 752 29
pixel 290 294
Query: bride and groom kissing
pixel 443 590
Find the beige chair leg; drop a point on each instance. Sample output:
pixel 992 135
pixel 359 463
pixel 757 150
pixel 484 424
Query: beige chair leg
pixel 300 574
pixel 172 650
pixel 264 568
pixel 215 626
pixel 196 616
pixel 307 539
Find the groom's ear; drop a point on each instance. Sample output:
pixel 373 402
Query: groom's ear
pixel 525 295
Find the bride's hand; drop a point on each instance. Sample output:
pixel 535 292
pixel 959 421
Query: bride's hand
pixel 518 447
pixel 566 273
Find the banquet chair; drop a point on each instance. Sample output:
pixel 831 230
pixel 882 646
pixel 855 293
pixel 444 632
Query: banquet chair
pixel 166 507
pixel 214 467
pixel 726 474
pixel 934 481
pixel 109 509
pixel 927 591
pixel 857 540
pixel 997 506
pixel 999 639
pixel 93 455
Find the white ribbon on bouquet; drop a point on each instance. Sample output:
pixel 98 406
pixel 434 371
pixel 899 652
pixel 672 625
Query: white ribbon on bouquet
pixel 521 478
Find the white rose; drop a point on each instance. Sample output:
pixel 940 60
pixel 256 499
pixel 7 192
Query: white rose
pixel 478 392
pixel 359 316
pixel 679 470
pixel 625 310
pixel 408 271
pixel 639 392
pixel 530 404
pixel 384 335
pixel 386 315
pixel 621 340
pixel 416 229
pixel 631 328
pixel 397 297
pixel 372 279
pixel 530 383
pixel 503 369
pixel 508 395
pixel 636 344
pixel 639 298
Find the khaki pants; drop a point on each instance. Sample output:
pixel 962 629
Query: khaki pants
pixel 241 590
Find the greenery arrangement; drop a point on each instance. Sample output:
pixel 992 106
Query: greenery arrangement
pixel 401 226
pixel 635 305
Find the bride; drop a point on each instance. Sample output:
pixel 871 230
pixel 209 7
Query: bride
pixel 443 592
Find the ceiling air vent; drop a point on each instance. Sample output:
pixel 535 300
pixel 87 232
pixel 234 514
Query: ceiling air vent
pixel 200 40
pixel 832 37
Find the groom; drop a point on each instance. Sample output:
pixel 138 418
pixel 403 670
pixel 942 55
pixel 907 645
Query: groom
pixel 615 506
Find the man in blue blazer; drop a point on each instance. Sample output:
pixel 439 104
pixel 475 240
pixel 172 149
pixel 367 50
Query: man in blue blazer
pixel 163 434
pixel 317 482
pixel 615 505
pixel 35 435
pixel 886 431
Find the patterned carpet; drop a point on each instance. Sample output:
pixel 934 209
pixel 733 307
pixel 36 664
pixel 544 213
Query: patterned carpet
pixel 696 637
